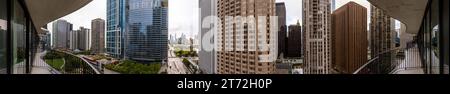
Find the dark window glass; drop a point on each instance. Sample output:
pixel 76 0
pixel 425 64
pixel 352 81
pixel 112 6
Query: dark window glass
pixel 434 34
pixel 19 45
pixel 445 15
pixel 3 27
pixel 426 40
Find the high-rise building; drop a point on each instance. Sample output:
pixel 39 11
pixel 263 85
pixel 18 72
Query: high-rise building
pixel 382 29
pixel 116 27
pixel 73 40
pixel 170 39
pixel 183 39
pixel 333 5
pixel 240 49
pixel 61 29
pixel 294 44
pixel 317 40
pixel 84 39
pixel 147 34
pixel 349 38
pixel 47 40
pixel 207 54
pixel 98 36
pixel 282 32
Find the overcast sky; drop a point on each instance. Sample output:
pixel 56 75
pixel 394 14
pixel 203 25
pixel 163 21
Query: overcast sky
pixel 183 14
pixel 84 16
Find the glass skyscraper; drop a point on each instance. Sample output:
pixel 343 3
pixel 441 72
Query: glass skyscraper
pixel 116 26
pixel 147 30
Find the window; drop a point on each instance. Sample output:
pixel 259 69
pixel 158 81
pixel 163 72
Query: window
pixel 3 28
pixel 18 23
pixel 434 36
pixel 433 40
pixel 445 27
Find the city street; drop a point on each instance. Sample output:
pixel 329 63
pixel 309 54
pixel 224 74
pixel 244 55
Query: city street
pixel 175 64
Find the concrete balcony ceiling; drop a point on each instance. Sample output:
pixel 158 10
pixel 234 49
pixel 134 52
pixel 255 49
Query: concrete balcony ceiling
pixel 45 11
pixel 409 12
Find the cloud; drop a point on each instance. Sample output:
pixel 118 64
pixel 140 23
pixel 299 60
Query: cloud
pixel 84 16
pixel 294 8
pixel 293 11
pixel 183 14
pixel 183 17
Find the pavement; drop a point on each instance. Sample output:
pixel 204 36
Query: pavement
pixel 107 71
pixel 175 64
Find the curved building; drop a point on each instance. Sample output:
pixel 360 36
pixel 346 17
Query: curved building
pixel 429 21
pixel 20 27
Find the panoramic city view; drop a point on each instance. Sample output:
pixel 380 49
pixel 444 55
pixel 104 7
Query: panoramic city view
pixel 224 36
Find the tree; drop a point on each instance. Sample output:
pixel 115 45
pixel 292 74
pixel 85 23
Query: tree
pixel 133 67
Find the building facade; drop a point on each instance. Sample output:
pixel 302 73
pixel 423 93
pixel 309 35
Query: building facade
pixel 98 36
pixel 147 35
pixel 84 39
pixel 333 5
pixel 382 37
pixel 349 38
pixel 294 44
pixel 20 30
pixel 207 54
pixel 433 37
pixel 46 40
pixel 317 40
pixel 61 30
pixel 282 32
pixel 242 50
pixel 73 40
pixel 116 19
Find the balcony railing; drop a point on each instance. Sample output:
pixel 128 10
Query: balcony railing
pixel 393 62
pixel 73 64
pixel 77 65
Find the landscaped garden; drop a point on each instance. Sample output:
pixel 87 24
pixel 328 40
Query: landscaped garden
pixel 133 67
pixel 54 59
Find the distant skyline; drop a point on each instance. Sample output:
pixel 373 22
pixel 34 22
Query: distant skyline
pixel 84 16
pixel 184 15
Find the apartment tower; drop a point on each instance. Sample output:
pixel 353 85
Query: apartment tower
pixel 294 44
pixel 84 39
pixel 382 29
pixel 240 46
pixel 282 32
pixel 207 54
pixel 116 27
pixel 349 38
pixel 98 36
pixel 317 40
pixel 61 30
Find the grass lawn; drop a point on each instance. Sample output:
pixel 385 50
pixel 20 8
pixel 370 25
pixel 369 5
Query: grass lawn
pixel 55 63
pixel 132 67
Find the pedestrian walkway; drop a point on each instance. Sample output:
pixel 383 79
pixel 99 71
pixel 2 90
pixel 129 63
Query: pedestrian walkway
pixel 40 67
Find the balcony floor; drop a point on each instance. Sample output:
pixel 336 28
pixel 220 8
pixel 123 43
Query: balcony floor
pixel 40 67
pixel 411 64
